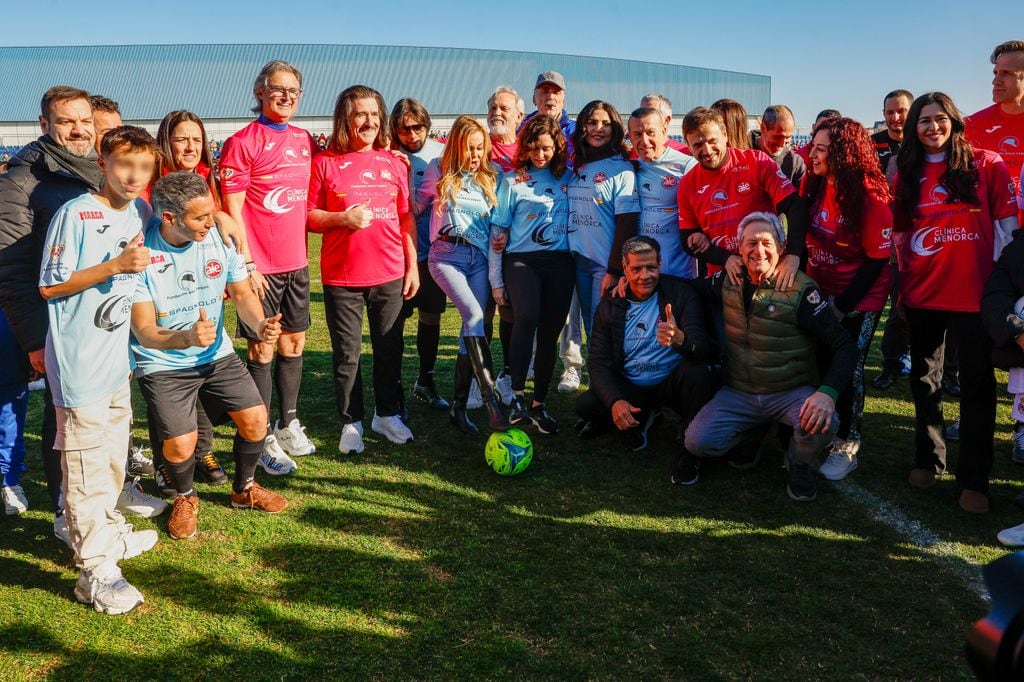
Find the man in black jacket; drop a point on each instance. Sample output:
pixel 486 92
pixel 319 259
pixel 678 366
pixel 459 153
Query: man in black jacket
pixel 649 349
pixel 42 177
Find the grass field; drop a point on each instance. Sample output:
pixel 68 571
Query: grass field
pixel 418 562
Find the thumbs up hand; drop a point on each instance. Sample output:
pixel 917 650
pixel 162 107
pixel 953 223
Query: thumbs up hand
pixel 669 334
pixel 270 329
pixel 204 332
pixel 134 257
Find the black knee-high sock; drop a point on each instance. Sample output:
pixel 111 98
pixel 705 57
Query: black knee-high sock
pixel 260 372
pixel 428 338
pixel 505 336
pixel 182 474
pixel 247 455
pixel 287 379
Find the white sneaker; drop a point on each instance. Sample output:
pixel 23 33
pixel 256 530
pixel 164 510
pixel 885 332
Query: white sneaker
pixel 475 400
pixel 841 461
pixel 134 543
pixel 351 439
pixel 134 500
pixel 569 381
pixel 1012 537
pixel 391 428
pixel 108 593
pixel 274 460
pixel 15 501
pixel 293 439
pixel 61 530
pixel 37 385
pixel 504 387
pixel 139 464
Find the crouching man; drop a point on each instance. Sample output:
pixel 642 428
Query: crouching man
pixel 182 350
pixel 770 372
pixel 649 349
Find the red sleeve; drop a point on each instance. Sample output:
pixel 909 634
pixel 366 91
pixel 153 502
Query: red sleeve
pixel 687 217
pixel 234 166
pixel 316 198
pixel 402 179
pixel 876 230
pixel 1002 202
pixel 773 179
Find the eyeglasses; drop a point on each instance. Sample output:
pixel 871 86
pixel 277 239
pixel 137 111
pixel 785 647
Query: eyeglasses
pixel 413 129
pixel 280 91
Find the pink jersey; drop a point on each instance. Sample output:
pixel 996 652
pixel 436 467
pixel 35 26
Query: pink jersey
pixel 946 252
pixel 715 201
pixel 272 168
pixel 1001 133
pixel 833 258
pixel 374 255
pixel 503 155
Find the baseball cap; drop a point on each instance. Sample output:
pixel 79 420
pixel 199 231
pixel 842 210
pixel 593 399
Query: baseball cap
pixel 552 77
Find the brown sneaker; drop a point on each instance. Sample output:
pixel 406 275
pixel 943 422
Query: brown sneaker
pixel 182 524
pixel 922 478
pixel 259 498
pixel 974 502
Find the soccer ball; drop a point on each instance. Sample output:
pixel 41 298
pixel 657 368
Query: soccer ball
pixel 508 452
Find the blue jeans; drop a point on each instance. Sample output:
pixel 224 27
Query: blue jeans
pixel 727 418
pixel 461 272
pixel 588 287
pixel 13 405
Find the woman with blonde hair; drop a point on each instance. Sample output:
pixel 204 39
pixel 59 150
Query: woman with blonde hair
pixel 462 185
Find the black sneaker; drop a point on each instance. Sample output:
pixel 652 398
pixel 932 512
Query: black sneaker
pixel 686 470
pixel 544 422
pixel 587 429
pixel 802 486
pixel 518 414
pixel 428 394
pixel 746 455
pixel 637 437
pixel 209 470
pixel 164 482
pixel 951 385
pixel 885 380
pixel 138 464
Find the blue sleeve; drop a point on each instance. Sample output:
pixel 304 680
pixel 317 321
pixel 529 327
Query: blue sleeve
pixel 626 198
pixel 62 248
pixel 501 216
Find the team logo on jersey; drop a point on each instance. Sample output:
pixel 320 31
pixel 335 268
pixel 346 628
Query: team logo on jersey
pixel 668 182
pixel 743 187
pixel 939 194
pixel 272 202
pixel 164 268
pixel 227 173
pixel 90 215
pixel 101 230
pixel 113 313
pixel 1009 144
pixel 540 236
pixel 367 177
pixel 814 298
pixel 290 153
pixel 270 145
pixel 549 191
pixel 647 186
pixel 887 233
pixel 122 244
pixel 703 189
pixel 719 198
pixel 213 268
pixel 993 129
pixel 343 166
pixel 823 216
pixel 56 251
pixel 599 178
pixel 187 281
pixel 385 174
pixel 305 152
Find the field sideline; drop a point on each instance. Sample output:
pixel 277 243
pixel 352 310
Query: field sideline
pixel 418 562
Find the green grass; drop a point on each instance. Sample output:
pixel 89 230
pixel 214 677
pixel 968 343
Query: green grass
pixel 418 562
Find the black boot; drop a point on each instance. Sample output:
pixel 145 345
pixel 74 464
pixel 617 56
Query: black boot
pixel 479 355
pixel 463 378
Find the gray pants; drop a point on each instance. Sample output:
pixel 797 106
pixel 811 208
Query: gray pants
pixel 726 419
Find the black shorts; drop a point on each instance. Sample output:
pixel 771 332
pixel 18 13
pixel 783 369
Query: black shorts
pixel 429 298
pixel 288 294
pixel 222 386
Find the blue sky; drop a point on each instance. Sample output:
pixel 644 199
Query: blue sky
pixel 819 54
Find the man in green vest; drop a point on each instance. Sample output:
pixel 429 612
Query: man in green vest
pixel 770 369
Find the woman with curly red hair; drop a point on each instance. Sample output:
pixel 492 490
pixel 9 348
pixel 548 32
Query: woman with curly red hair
pixel 848 248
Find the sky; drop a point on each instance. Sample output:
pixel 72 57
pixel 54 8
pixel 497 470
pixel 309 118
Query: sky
pixel 822 54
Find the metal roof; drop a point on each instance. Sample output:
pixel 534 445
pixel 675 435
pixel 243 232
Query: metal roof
pixel 215 81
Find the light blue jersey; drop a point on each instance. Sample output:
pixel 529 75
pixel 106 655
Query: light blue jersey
pixel 647 361
pixel 535 210
pixel 658 186
pixel 87 343
pixel 419 161
pixel 180 281
pixel 467 215
pixel 598 192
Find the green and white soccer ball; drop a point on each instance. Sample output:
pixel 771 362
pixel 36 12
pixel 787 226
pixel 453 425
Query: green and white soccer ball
pixel 509 452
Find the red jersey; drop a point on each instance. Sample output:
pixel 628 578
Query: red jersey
pixel 272 168
pixel 834 256
pixel 946 252
pixel 1001 133
pixel 503 155
pixel 715 201
pixel 374 255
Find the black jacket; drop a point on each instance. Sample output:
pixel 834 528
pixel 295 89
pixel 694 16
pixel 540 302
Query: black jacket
pixel 606 350
pixel 1002 289
pixel 31 191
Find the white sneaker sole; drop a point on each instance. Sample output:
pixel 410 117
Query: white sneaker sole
pixel 840 474
pixel 394 439
pixel 109 610
pixel 294 453
pixel 283 472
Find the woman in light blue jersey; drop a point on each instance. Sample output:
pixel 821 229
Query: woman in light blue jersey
pixel 538 273
pixel 461 185
pixel 604 208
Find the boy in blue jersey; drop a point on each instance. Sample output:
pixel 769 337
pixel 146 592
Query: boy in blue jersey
pixel 92 254
pixel 183 352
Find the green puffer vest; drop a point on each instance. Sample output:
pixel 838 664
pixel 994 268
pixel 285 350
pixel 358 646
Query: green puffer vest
pixel 766 351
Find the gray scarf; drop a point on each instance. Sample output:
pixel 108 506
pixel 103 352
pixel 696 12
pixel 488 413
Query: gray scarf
pixel 60 159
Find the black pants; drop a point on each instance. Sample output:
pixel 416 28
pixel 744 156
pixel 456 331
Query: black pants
pixel 686 390
pixel 896 336
pixel 51 458
pixel 850 405
pixel 977 401
pixel 540 286
pixel 344 308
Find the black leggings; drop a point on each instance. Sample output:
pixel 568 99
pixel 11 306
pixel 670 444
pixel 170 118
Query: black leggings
pixel 539 284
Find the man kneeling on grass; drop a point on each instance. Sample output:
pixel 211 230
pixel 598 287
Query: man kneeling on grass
pixel 770 370
pixel 182 350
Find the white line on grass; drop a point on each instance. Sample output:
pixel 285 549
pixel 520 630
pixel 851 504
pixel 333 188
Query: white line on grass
pixel 941 551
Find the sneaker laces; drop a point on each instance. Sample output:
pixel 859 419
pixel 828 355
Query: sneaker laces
pixel 209 461
pixel 139 454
